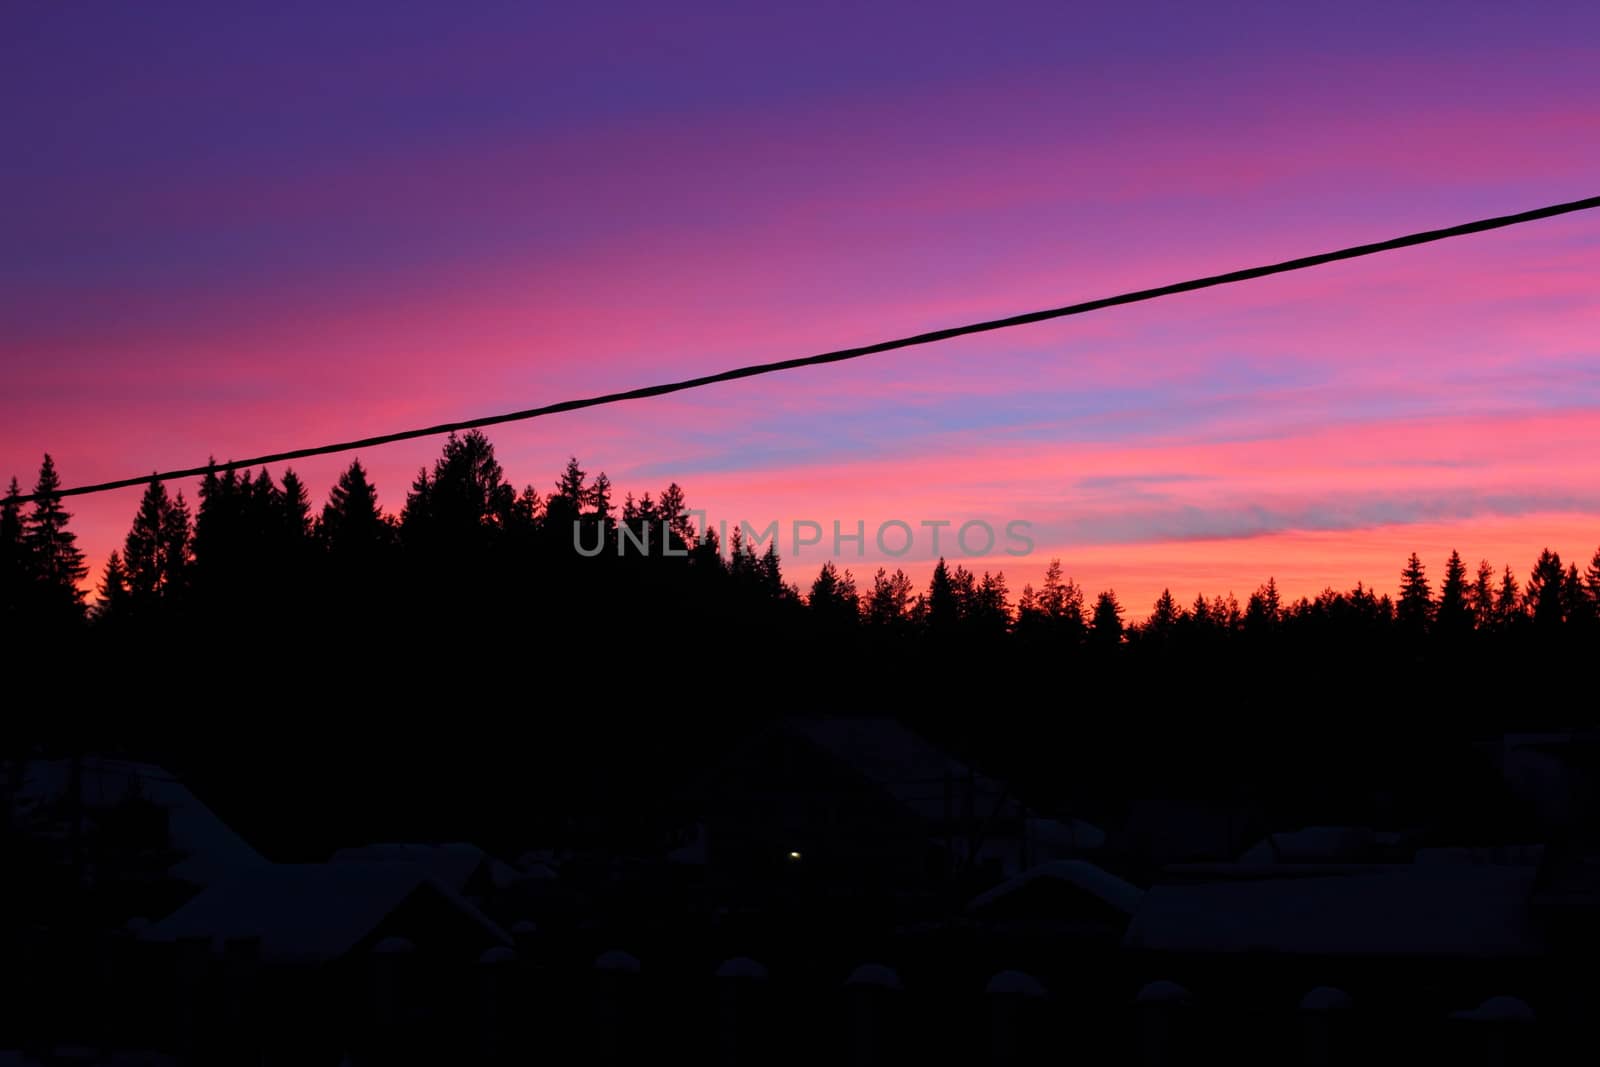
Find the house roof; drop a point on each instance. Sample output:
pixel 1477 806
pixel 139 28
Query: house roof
pixel 1121 895
pixel 919 775
pixel 1403 910
pixel 1329 844
pixel 453 864
pixel 210 846
pixel 904 764
pixel 309 912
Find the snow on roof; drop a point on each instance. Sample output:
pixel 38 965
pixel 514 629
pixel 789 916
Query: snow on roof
pixel 1121 895
pixel 1329 843
pixel 1326 998
pixel 1071 833
pixel 1161 991
pixel 308 912
pixel 454 864
pixel 210 846
pixel 1015 983
pixel 875 975
pixel 915 771
pixel 741 967
pixel 1404 910
pixel 906 765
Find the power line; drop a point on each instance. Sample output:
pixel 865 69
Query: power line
pixel 946 334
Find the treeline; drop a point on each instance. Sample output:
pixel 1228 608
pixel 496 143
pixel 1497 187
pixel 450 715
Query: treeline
pixel 575 568
pixel 255 547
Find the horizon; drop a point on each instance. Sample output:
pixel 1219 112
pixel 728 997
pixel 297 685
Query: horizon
pixel 1300 551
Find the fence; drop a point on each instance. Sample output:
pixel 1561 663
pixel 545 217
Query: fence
pixel 390 1005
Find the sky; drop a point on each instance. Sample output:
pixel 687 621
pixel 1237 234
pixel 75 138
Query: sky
pixel 228 230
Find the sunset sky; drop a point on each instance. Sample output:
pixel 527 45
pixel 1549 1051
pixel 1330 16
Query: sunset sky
pixel 230 229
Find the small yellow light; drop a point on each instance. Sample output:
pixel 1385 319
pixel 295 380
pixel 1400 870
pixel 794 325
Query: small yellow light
pixel 794 855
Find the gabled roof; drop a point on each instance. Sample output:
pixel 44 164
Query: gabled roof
pixel 211 847
pixel 907 766
pixel 1123 896
pixel 1314 844
pixel 453 864
pixel 1402 910
pixel 310 912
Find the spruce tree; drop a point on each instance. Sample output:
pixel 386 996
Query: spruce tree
pixel 1028 614
pixel 352 525
pixel 1591 581
pixel 15 574
pixel 177 546
pixel 294 508
pixel 1053 593
pixel 672 509
pixel 992 604
pixel 1105 629
pixel 1508 603
pixel 771 574
pixel 142 548
pixel 1482 596
pixel 1263 610
pixel 600 505
pixel 890 601
pixel 416 517
pixel 52 550
pixel 834 601
pixel 1545 595
pixel 1575 600
pixel 1414 612
pixel 218 529
pixel 964 587
pixel 1164 617
pixel 113 591
pixel 1454 614
pixel 943 610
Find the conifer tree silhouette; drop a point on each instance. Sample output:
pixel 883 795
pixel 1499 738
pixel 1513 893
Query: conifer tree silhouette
pixel 1453 615
pixel 156 552
pixel 1105 630
pixel 1481 597
pixel 1414 612
pixel 1508 601
pixel 53 558
pixel 1545 594
pixel 15 574
pixel 112 604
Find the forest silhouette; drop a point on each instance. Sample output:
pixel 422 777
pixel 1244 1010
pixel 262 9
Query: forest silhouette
pixel 252 553
pixel 463 647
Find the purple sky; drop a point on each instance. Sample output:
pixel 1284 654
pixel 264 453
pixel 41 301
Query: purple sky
pixel 230 229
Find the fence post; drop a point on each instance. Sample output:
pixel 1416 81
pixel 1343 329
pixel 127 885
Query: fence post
pixel 876 1002
pixel 1161 1012
pixel 1324 1026
pixel 616 1006
pixel 742 1012
pixel 1016 1004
